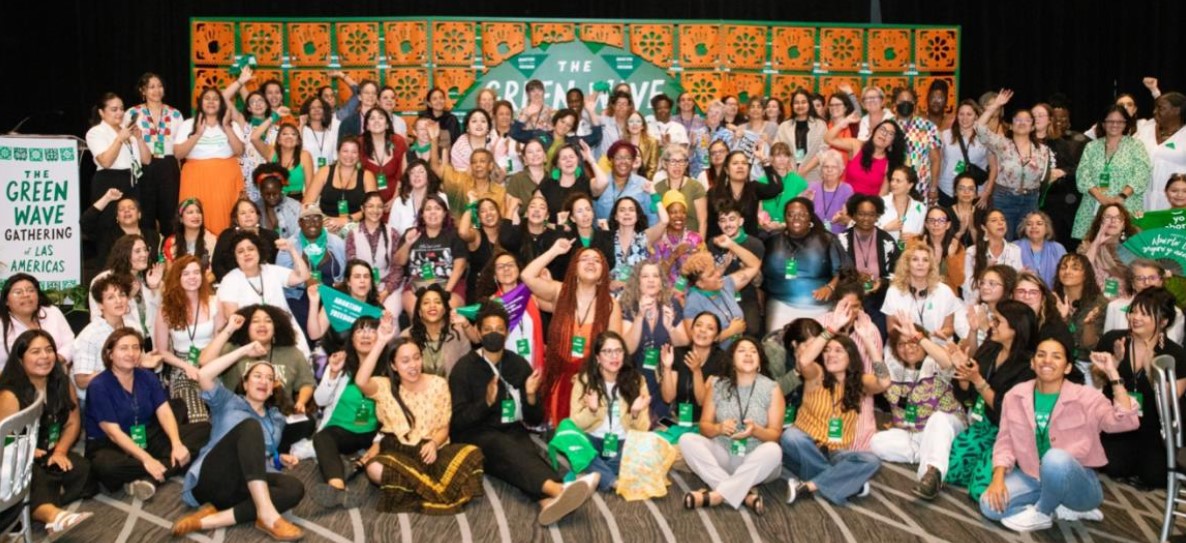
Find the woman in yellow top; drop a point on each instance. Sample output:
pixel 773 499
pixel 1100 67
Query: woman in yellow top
pixel 609 398
pixel 483 180
pixel 818 448
pixel 417 468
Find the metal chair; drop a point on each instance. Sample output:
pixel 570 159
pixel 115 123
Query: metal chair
pixel 1166 395
pixel 19 433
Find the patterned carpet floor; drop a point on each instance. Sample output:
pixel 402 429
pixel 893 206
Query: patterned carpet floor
pixel 889 515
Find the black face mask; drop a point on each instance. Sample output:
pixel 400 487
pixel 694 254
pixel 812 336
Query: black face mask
pixel 905 109
pixel 493 342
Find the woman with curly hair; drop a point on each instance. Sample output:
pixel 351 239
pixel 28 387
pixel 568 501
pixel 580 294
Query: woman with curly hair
pixel 652 319
pixel 584 310
pixel 433 254
pixel 245 215
pixel 417 183
pixel 130 257
pixel 187 322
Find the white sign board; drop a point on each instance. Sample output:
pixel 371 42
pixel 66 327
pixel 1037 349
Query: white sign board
pixel 39 188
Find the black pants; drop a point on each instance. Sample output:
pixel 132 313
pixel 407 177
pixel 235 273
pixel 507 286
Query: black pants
pixel 514 458
pixel 295 432
pixel 56 487
pixel 159 186
pixel 332 442
pixel 113 467
pixel 112 179
pixel 237 459
pixel 1136 454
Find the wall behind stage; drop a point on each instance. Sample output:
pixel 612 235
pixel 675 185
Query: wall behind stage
pixel 58 56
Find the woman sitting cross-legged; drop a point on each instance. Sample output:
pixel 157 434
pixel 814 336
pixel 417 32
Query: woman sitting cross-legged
pixel 59 475
pixel 418 468
pixel 737 447
pixel 1034 480
pixel 818 449
pixel 237 474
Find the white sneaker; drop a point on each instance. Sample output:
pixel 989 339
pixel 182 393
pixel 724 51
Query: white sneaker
pixel 1066 513
pixel 792 489
pixel 141 490
pixel 1028 520
pixel 864 490
pixel 593 479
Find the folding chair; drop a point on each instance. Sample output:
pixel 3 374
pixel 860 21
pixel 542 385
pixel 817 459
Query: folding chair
pixel 19 433
pixel 1165 392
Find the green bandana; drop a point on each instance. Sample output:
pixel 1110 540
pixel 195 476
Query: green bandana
pixel 419 149
pixel 255 122
pixel 315 250
pixel 708 293
pixel 741 237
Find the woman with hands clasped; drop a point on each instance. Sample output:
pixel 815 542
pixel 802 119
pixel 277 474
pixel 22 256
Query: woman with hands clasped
pixel 823 449
pixel 609 399
pixel 243 482
pixel 1049 443
pixel 210 143
pixel 651 318
pixel 418 468
pixel 737 448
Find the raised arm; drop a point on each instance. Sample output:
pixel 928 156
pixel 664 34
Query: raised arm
pixel 832 136
pixel 750 264
pixel 545 288
pixel 366 368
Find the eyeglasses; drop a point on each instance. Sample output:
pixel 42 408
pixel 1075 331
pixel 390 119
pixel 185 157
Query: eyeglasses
pixel 1146 279
pixel 1027 292
pixel 888 132
pixel 990 284
pixel 1113 218
pixel 505 266
pixel 616 351
pixel 677 161
pixel 937 220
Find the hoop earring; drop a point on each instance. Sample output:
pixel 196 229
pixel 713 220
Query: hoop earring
pixel 556 173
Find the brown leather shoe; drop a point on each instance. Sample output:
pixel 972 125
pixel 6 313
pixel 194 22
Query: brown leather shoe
pixel 281 530
pixel 193 521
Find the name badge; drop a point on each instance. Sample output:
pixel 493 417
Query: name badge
pixel 523 347
pixel 788 417
pixel 911 414
pixel 343 208
pixel 835 430
pixel 578 347
pixel 650 358
pixel 382 181
pixel 426 272
pixel 192 356
pixel 508 411
pixel 685 414
pixel 737 447
pixel 791 270
pixel 140 436
pixel 609 446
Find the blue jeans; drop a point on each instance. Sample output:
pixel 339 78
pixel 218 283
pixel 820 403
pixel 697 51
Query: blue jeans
pixel 836 476
pixel 607 467
pixel 1064 481
pixel 1015 207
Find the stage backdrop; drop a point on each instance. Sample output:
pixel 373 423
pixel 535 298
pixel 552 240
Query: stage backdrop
pixel 708 59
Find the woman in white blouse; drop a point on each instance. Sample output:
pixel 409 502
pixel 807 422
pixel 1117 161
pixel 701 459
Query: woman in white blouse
pixel 319 136
pixel 210 143
pixel 418 181
pixel 118 150
pixel 157 123
pixel 904 210
pixel 1165 139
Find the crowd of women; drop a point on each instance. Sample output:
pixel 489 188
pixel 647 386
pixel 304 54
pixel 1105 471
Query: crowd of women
pixel 769 291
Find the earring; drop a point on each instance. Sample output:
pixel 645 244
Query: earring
pixel 579 171
pixel 556 173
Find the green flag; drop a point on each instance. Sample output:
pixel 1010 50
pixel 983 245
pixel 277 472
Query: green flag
pixel 343 310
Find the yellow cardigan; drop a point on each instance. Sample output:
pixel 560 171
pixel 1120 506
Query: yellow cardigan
pixel 588 419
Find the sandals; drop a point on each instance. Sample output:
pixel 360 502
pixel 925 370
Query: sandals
pixel 755 503
pixel 690 499
pixel 64 521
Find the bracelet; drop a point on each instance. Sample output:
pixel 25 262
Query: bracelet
pixel 1124 196
pixel 983 385
pixel 827 334
pixel 1116 383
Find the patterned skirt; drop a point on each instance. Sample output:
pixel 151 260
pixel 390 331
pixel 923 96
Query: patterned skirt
pixel 182 388
pixel 970 464
pixel 440 488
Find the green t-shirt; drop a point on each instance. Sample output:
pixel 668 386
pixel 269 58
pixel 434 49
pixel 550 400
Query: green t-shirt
pixel 354 412
pixel 792 185
pixel 1043 408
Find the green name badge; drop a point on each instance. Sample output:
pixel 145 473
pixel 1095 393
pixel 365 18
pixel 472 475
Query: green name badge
pixel 681 283
pixel 382 181
pixel 978 409
pixel 650 358
pixel 578 347
pixel 835 430
pixel 1105 179
pixel 140 436
pixel 828 225
pixel 911 414
pixel 788 416
pixel 960 167
pixel 192 356
pixel 320 162
pixel 508 411
pixel 1140 399
pixel 737 447
pixel 362 415
pixel 868 285
pixel 737 296
pixel 375 275
pixel 426 272
pixel 343 208
pixel 158 148
pixel 54 435
pixel 685 414
pixel 791 270
pixel 609 446
pixel 1111 287
pixel 523 347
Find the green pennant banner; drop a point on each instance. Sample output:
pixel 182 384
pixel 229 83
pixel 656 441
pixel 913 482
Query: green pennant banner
pixel 343 310
pixel 1174 219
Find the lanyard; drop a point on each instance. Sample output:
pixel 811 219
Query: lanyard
pixel 611 398
pixel 258 291
pixel 193 332
pixel 723 306
pixel 585 318
pixel 498 374
pixel 869 247
pixel 828 213
pixel 745 410
pixel 920 305
pixel 135 403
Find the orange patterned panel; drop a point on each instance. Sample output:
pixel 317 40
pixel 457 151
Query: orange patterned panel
pixel 841 49
pixel 781 86
pixel 744 86
pixel 830 84
pixel 745 47
pixel 609 34
pixel 308 44
pixel 261 76
pixel 793 48
pixel 218 78
pixel 923 84
pixel 889 49
pixel 705 87
pixel 213 43
pixel 698 46
pixel 406 42
pixel 549 33
pixel 344 92
pixel 305 84
pixel 263 41
pixel 501 41
pixel 453 43
pixel 358 43
pixel 652 43
pixel 411 86
pixel 935 50
pixel 887 84
pixel 455 81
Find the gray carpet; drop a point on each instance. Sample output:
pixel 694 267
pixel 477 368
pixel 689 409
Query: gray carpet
pixel 890 514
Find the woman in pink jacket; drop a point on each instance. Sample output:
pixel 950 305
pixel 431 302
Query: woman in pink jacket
pixel 1049 443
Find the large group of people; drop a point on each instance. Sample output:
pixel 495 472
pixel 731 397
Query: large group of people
pixel 770 291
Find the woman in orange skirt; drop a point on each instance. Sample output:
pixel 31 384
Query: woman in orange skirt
pixel 209 143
